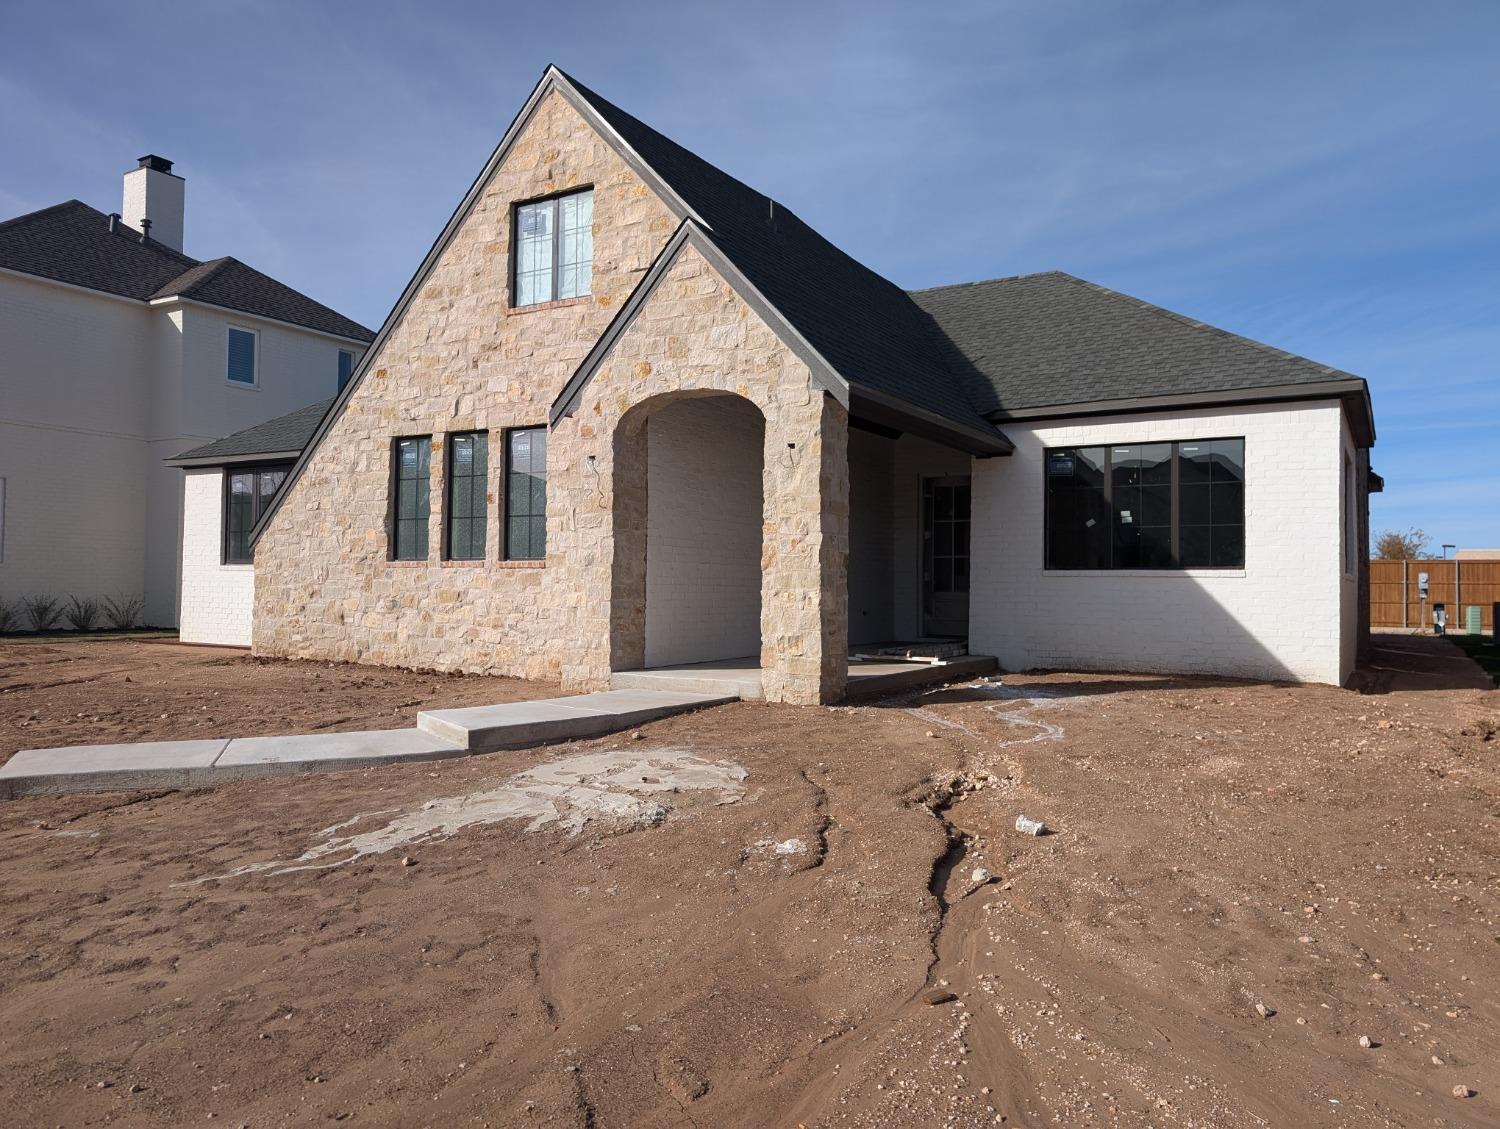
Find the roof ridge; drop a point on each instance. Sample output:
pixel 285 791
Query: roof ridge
pixel 1194 323
pixel 169 288
pixel 41 212
pixel 988 281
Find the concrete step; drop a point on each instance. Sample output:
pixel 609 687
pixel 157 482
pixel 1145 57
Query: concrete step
pixel 515 725
pixel 739 680
pixel 877 678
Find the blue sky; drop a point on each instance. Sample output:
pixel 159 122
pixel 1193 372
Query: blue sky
pixel 1324 177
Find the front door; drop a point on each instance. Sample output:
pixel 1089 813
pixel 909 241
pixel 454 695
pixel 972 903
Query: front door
pixel 945 556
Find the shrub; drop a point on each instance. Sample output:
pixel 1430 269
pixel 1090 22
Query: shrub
pixel 43 611
pixel 10 616
pixel 123 610
pixel 82 614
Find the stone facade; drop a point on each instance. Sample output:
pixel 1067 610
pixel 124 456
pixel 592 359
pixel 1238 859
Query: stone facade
pixel 461 359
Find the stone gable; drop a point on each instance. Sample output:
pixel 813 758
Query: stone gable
pixel 461 359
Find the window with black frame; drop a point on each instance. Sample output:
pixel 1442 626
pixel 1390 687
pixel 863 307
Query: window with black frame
pixel 468 481
pixel 1146 505
pixel 554 248
pixel 411 499
pixel 248 493
pixel 526 494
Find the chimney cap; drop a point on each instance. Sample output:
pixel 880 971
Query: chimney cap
pixel 155 163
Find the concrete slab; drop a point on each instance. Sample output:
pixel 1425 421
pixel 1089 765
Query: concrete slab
pixel 330 752
pixel 105 768
pixel 871 679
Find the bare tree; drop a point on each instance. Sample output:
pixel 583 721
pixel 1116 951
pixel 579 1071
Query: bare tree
pixel 1394 545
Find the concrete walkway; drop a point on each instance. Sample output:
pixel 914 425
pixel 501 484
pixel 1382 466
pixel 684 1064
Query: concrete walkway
pixel 741 677
pixel 439 734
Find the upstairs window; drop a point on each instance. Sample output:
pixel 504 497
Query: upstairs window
pixel 241 356
pixel 468 481
pixel 1146 506
pixel 526 494
pixel 554 248
pixel 247 495
pixel 411 501
pixel 346 367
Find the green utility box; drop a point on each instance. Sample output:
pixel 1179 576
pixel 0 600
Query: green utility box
pixel 1474 620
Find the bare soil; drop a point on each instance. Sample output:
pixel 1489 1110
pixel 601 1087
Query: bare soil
pixel 93 692
pixel 1331 855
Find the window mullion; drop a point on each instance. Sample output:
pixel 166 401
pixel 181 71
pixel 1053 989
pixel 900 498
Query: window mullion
pixel 1109 502
pixel 556 248
pixel 1175 550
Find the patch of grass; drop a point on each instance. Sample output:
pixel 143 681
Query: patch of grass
pixel 1483 650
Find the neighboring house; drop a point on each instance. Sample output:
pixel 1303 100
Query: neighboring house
pixel 1477 554
pixel 116 351
pixel 226 486
pixel 630 412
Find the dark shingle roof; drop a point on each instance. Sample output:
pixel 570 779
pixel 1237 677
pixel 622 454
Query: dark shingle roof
pixel 865 326
pixel 283 435
pixel 71 242
pixel 1040 340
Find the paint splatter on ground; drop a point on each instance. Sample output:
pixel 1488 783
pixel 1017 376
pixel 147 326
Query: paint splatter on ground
pixel 627 789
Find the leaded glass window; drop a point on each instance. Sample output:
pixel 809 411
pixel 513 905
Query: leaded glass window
pixel 467 509
pixel 247 494
pixel 526 494
pixel 554 248
pixel 412 501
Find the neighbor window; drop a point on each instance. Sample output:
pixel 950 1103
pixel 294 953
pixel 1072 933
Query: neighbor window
pixel 241 353
pixel 554 248
pixel 247 495
pixel 1147 505
pixel 526 494
pixel 346 367
pixel 411 501
pixel 468 474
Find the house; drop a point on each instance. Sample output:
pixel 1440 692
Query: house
pixel 116 351
pixel 630 413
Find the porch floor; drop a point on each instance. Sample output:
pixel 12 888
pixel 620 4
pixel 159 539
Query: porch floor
pixel 742 676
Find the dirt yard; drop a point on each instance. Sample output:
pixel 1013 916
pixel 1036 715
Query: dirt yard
pixel 91 693
pixel 677 946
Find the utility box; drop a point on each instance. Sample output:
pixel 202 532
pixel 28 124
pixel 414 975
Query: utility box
pixel 1495 622
pixel 1440 619
pixel 1473 620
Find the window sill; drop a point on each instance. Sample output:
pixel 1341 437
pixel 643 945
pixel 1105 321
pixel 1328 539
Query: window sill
pixel 521 564
pixel 461 564
pixel 561 303
pixel 1158 573
pixel 243 387
pixel 237 566
pixel 408 564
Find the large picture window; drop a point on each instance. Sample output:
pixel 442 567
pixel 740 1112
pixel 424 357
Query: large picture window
pixel 526 494
pixel 554 248
pixel 1146 505
pixel 247 494
pixel 411 500
pixel 468 480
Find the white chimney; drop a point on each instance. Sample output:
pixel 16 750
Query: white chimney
pixel 154 194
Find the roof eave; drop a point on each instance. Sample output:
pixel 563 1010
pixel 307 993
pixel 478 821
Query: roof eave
pixel 900 415
pixel 1353 391
pixel 190 461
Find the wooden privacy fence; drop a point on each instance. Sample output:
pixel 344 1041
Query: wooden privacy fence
pixel 1395 600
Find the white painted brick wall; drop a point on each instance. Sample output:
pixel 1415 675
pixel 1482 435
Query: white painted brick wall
pixel 704 531
pixel 217 599
pixel 1287 614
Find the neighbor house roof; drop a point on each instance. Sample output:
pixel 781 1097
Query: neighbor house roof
pixel 1040 343
pixel 283 437
pixel 72 242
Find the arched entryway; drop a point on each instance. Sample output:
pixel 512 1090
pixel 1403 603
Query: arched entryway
pixel 689 532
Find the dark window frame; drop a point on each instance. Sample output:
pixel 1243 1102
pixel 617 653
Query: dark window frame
pixel 1175 528
pixel 256 508
pixel 393 509
pixel 450 445
pixel 554 199
pixel 342 377
pixel 506 551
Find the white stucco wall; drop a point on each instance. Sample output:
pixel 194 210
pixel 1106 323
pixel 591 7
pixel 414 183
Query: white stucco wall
pixel 217 599
pixel 1287 614
pixel 703 531
pixel 95 391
